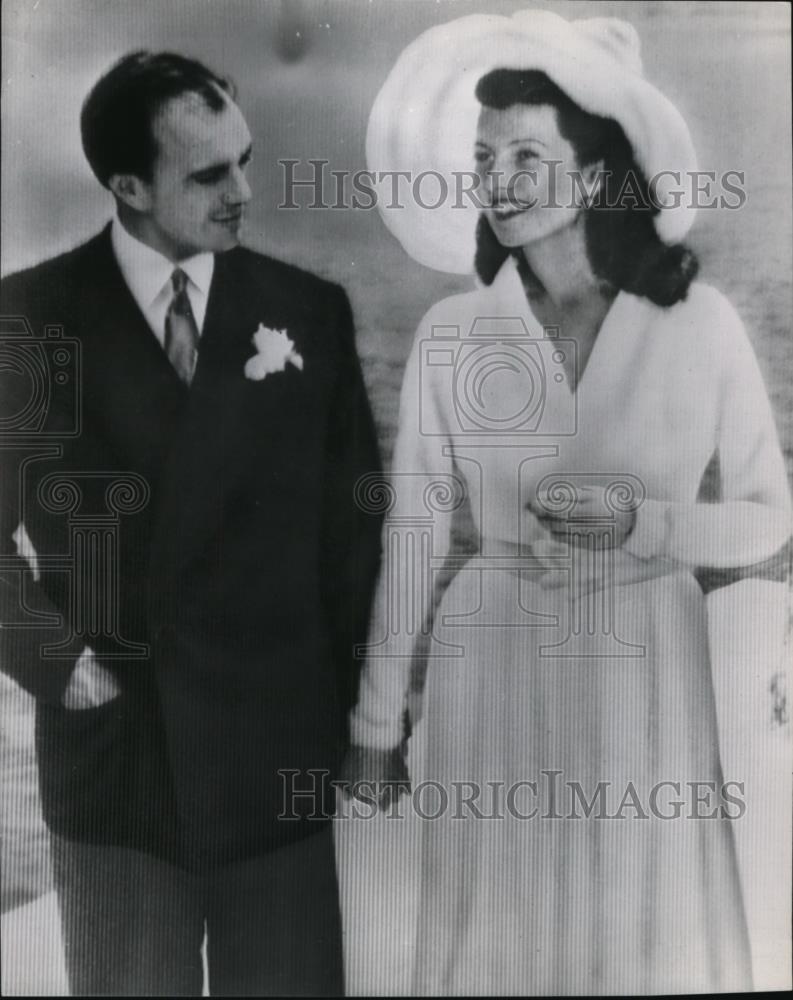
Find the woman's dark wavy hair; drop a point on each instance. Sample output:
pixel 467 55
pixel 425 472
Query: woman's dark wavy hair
pixel 623 247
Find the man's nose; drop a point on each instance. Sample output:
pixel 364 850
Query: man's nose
pixel 239 191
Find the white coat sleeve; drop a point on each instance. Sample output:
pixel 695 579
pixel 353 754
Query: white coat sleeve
pixel 417 530
pixel 752 520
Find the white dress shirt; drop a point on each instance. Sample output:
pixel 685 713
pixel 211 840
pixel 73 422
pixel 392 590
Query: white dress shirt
pixel 148 276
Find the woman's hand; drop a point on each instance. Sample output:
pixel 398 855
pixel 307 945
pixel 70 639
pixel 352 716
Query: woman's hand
pixel 610 527
pixel 368 773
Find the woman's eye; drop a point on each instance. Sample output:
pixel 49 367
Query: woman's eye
pixel 482 156
pixel 526 155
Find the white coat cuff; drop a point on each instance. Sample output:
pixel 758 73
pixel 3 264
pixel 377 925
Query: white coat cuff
pixel 650 534
pixel 377 735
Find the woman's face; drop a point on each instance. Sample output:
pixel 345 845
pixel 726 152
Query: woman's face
pixel 526 169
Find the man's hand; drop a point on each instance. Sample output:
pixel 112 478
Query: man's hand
pixel 90 684
pixel 367 772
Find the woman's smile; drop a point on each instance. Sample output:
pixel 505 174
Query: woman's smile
pixel 509 209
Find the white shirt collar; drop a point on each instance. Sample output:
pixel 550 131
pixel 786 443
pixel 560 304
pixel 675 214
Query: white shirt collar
pixel 148 274
pixel 147 271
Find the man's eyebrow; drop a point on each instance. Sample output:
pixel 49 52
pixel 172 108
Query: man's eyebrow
pixel 212 168
pixel 513 142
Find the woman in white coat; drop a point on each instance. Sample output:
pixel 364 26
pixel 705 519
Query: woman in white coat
pixel 581 839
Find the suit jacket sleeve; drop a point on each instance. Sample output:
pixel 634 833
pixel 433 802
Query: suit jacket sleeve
pixel 351 537
pixel 24 629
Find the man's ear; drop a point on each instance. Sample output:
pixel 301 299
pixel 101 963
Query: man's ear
pixel 131 190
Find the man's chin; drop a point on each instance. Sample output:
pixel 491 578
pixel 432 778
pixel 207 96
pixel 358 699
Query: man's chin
pixel 227 243
pixel 228 237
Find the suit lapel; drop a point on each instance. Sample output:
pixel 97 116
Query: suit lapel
pixel 129 386
pixel 194 445
pixel 208 447
pixel 230 427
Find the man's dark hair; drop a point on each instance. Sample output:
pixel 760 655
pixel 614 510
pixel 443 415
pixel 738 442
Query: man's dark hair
pixel 118 114
pixel 623 247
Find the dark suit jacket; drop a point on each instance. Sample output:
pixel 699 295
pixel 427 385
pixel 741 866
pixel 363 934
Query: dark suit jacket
pixel 224 584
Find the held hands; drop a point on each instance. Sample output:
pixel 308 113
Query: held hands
pixel 590 504
pixel 380 774
pixel 91 684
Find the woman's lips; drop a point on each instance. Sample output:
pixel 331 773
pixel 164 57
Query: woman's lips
pixel 508 210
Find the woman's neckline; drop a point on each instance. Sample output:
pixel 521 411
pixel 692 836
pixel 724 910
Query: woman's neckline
pixel 517 294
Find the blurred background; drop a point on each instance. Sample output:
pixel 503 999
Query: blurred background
pixel 307 73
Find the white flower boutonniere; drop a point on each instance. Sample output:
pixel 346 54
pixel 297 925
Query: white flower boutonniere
pixel 274 351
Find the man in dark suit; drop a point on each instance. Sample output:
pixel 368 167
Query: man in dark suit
pixel 198 572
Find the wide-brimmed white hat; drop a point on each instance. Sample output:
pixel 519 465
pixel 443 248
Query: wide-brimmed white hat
pixel 423 121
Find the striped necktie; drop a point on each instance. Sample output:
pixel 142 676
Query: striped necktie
pixel 181 330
